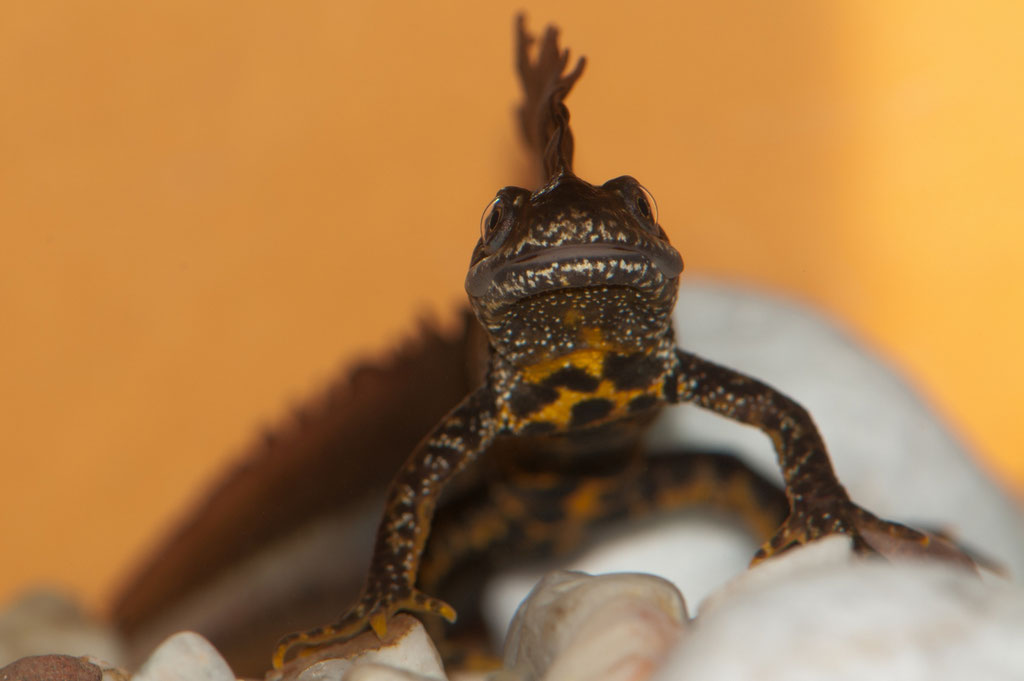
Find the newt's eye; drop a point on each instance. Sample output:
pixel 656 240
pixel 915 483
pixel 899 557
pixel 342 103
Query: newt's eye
pixel 646 205
pixel 495 223
pixel 638 201
pixel 491 218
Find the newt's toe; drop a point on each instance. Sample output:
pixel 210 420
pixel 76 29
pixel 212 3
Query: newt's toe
pixel 895 541
pixel 369 614
pixel 870 535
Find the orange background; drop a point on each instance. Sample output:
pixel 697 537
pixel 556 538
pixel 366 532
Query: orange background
pixel 208 208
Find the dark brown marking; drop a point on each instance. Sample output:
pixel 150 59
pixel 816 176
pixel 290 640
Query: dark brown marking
pixel 642 403
pixel 573 378
pixel 588 411
pixel 627 372
pixel 670 389
pixel 538 428
pixel 526 398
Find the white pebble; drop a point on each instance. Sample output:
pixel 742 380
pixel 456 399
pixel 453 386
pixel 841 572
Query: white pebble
pixel 185 656
pixel 574 626
pixel 865 619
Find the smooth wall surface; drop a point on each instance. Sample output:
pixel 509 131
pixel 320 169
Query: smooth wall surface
pixel 208 208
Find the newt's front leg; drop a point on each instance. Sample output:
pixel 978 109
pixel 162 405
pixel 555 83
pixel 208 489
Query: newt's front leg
pixel 390 587
pixel 818 503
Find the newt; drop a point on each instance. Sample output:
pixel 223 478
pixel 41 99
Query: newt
pixel 574 286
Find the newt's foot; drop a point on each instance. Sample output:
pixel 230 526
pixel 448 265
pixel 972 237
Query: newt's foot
pixel 371 612
pixel 870 535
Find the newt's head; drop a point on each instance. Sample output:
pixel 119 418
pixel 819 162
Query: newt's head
pixel 573 266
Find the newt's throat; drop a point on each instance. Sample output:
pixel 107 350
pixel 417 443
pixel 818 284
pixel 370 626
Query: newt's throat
pixel 599 319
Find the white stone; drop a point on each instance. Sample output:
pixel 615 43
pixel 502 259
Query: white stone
pixel 185 656
pixel 379 672
pixel 580 627
pixel 834 552
pixel 805 616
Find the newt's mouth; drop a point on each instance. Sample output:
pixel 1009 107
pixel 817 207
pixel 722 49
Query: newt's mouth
pixel 574 266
